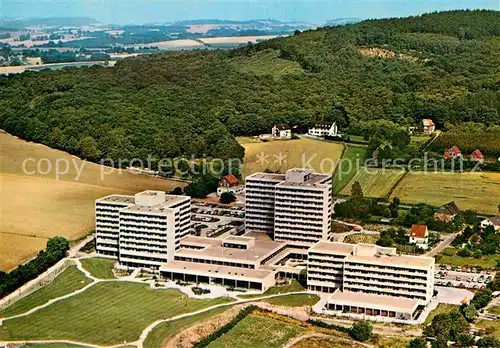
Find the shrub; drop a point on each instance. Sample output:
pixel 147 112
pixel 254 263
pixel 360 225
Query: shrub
pixel 361 331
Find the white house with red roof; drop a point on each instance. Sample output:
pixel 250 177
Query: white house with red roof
pixel 230 183
pixel 477 156
pixel 419 235
pixel 452 152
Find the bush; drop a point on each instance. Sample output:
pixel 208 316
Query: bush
pixel 417 343
pixel 227 197
pixel 200 291
pixel 361 331
pixel 322 324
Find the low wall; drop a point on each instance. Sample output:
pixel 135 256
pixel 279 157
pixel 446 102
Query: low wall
pixel 37 283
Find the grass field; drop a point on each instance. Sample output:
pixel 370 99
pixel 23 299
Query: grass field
pixel 352 158
pixel 326 342
pixel 266 63
pixel 477 191
pixel 256 331
pixel 298 300
pixel 165 330
pixel 492 327
pixel 99 267
pixel 69 280
pixel 119 311
pixel 494 310
pixel 294 286
pixel 323 156
pixel 449 257
pixel 41 205
pixel 375 182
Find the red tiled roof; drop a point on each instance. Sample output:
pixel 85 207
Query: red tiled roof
pixel 427 122
pixel 418 231
pixel 231 179
pixel 477 154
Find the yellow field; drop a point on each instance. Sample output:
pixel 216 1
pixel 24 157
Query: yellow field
pixel 281 155
pixel 477 191
pixel 375 182
pixel 36 207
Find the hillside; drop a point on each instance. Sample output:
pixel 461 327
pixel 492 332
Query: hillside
pixel 444 66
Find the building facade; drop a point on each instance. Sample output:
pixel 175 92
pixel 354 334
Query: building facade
pixel 322 129
pixel 292 207
pixel 281 131
pixel 370 269
pixel 150 226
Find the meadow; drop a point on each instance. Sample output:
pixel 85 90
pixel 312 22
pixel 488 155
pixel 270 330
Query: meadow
pixel 349 167
pixel 375 182
pixel 99 267
pixel 119 311
pixel 266 63
pixel 71 279
pixel 478 191
pixel 256 331
pixel 322 156
pixel 37 204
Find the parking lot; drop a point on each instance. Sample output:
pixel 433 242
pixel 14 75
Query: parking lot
pixel 459 277
pixel 217 221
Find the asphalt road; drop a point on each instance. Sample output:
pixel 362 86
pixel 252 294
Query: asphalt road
pixel 443 244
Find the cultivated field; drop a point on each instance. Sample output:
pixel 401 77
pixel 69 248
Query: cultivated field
pixel 118 311
pixel 36 207
pixel 281 155
pixel 352 158
pixel 256 331
pixel 477 191
pixel 236 39
pixel 266 63
pixel 374 181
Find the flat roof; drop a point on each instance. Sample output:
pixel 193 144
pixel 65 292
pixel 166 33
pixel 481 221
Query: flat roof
pixel 314 179
pixel 162 208
pixel 386 302
pixel 333 248
pixel 214 270
pixel 394 260
pixel 267 176
pixel 212 248
pixel 117 199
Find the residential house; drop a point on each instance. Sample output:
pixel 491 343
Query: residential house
pixel 419 235
pixel 452 152
pixel 447 212
pixel 477 156
pixel 492 221
pixel 428 126
pixel 281 131
pixel 230 183
pixel 322 129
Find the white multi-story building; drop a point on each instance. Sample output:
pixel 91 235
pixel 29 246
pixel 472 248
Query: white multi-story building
pixel 375 274
pixel 323 128
pixel 150 226
pixel 107 222
pixel 294 207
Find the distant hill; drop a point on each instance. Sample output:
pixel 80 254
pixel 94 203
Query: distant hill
pixel 443 66
pixel 46 22
pixel 341 21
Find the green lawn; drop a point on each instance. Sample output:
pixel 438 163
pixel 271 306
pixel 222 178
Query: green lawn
pixel 164 330
pixel 449 257
pixel 494 310
pixel 99 267
pixel 375 182
pixel 348 167
pixel 294 300
pixel 69 280
pixel 256 331
pixel 441 308
pixel 294 286
pixel 117 311
pixel 492 327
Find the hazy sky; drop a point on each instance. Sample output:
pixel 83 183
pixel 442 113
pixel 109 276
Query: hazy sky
pixel 314 11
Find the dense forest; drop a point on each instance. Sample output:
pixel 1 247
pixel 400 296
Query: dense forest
pixel 443 66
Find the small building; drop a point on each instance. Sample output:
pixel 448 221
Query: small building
pixel 230 183
pixel 447 212
pixel 428 126
pixel 452 152
pixel 492 221
pixel 322 129
pixel 477 156
pixel 419 235
pixel 281 131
